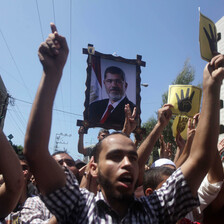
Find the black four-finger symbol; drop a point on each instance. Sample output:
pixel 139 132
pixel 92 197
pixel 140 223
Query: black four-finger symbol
pixel 185 103
pixel 181 124
pixel 211 39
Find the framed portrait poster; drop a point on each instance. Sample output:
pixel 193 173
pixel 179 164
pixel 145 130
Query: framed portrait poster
pixel 112 82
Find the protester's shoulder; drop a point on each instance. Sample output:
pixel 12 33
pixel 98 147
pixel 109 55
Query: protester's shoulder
pixel 34 201
pixel 176 186
pixel 71 188
pixel 99 102
pixel 173 184
pixel 127 101
pixel 177 176
pixel 90 147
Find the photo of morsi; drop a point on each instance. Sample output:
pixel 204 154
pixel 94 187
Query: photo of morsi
pixel 113 84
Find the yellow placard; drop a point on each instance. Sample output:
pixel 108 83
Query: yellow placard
pixel 186 99
pixel 207 37
pixel 180 125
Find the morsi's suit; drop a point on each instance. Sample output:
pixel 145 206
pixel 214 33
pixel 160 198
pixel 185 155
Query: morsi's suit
pixel 115 119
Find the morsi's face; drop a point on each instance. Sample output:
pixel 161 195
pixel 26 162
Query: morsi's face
pixel 115 86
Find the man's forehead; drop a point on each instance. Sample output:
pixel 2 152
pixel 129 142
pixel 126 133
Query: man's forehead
pixel 117 141
pixel 113 75
pixel 62 156
pixel 104 133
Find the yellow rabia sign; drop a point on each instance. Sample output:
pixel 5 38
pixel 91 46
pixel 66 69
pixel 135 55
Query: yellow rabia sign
pixel 180 126
pixel 207 38
pixel 186 99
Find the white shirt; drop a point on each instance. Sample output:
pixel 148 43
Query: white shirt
pixel 113 104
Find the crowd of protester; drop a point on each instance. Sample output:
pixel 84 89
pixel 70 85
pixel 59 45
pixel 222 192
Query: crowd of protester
pixel 114 184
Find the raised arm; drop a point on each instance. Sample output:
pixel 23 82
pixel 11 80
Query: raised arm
pixel 180 142
pixel 81 148
pixel 205 141
pixel 12 173
pixel 130 122
pixel 145 149
pixel 191 129
pixel 165 148
pixel 48 174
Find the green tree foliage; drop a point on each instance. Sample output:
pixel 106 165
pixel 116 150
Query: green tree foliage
pixel 18 149
pixel 185 77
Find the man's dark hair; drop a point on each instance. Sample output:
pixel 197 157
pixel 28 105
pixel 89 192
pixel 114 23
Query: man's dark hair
pixel 154 176
pixel 59 152
pixel 98 146
pixel 102 130
pixel 22 157
pixel 115 70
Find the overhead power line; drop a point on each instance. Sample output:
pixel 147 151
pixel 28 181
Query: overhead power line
pixel 15 64
pixel 15 122
pixel 66 112
pixel 38 12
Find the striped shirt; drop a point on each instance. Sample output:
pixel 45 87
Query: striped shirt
pixel 33 211
pixel 172 201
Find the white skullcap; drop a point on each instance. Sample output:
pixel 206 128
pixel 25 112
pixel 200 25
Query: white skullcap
pixel 163 161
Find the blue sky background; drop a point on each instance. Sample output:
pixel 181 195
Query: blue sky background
pixel 165 33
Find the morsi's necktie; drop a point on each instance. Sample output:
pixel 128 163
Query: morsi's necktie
pixel 106 115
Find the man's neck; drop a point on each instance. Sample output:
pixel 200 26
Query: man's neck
pixel 115 103
pixel 119 205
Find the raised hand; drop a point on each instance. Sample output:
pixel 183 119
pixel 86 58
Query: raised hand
pixel 214 71
pixel 165 149
pixel 81 130
pixel 180 141
pixel 182 121
pixel 130 122
pixel 53 52
pixel 164 114
pixel 192 124
pixel 185 103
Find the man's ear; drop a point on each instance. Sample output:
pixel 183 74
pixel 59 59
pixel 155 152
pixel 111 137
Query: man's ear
pixel 148 191
pixel 126 85
pixel 94 169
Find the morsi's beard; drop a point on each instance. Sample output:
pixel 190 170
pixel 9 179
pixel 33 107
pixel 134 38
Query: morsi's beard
pixel 115 97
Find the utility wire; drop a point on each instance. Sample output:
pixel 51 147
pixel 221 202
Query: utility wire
pixel 38 12
pixel 66 112
pixel 12 76
pixel 16 124
pixel 19 121
pixel 21 116
pixel 60 86
pixel 15 64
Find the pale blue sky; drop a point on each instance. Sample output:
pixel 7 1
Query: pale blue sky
pixel 165 33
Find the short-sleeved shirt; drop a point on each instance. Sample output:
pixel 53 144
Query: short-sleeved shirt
pixel 33 211
pixel 172 201
pixel 89 152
